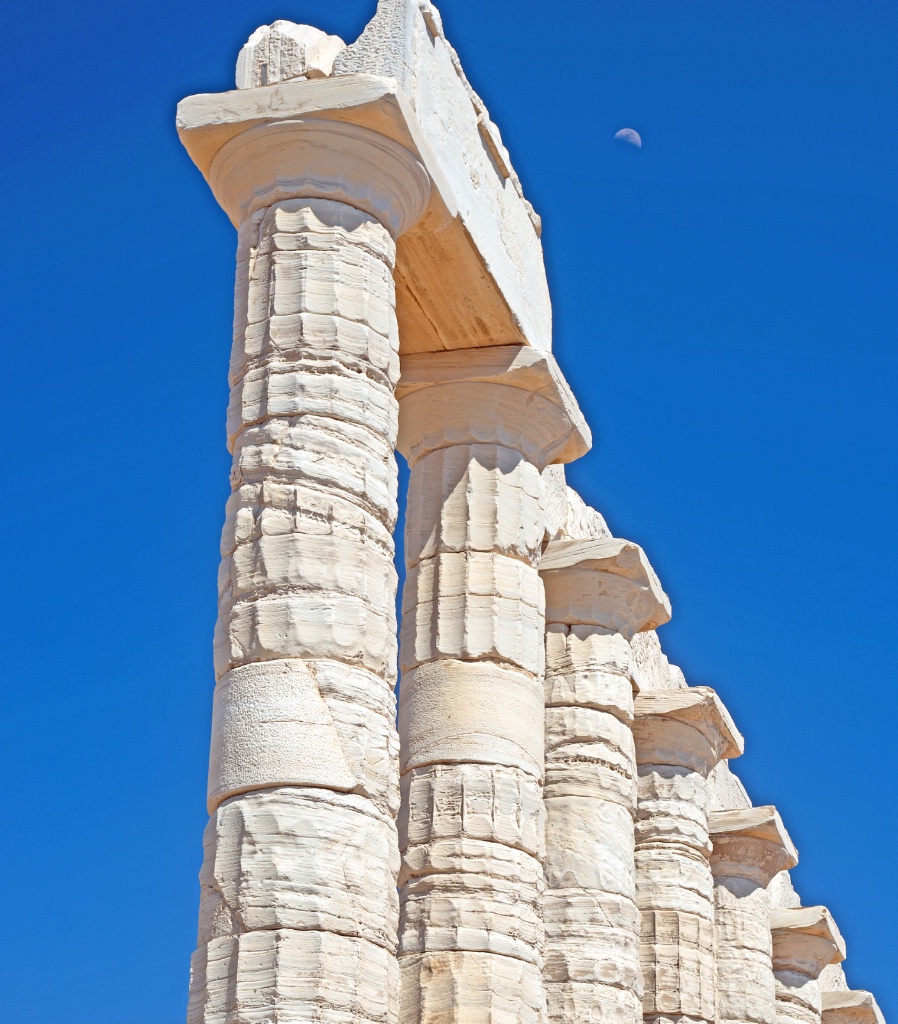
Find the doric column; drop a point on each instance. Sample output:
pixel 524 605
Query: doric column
pixel 476 426
pixel 750 846
pixel 599 593
pixel 805 940
pixel 299 912
pixel 854 1007
pixel 680 736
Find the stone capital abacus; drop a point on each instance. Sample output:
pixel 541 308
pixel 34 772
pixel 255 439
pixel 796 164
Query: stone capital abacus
pixel 687 728
pixel 750 843
pixel 856 1006
pixel 805 940
pixel 506 395
pixel 607 583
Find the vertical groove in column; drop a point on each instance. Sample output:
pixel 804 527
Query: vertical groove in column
pixel 299 909
pixel 680 736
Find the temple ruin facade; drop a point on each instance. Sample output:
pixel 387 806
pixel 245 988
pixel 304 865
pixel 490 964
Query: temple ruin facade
pixel 546 828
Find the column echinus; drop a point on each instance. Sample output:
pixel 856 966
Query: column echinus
pixel 751 845
pixel 680 736
pixel 599 594
pixel 299 910
pixel 476 426
pixel 805 940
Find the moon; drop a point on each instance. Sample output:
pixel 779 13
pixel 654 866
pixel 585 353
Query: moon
pixel 629 135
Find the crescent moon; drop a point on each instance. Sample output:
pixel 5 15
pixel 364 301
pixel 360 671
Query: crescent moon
pixel 629 135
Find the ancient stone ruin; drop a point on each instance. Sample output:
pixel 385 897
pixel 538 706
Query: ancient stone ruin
pixel 552 831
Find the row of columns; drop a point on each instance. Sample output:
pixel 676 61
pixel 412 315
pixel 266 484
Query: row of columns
pixel 534 842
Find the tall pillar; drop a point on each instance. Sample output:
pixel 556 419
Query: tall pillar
pixel 680 736
pixel 477 427
pixel 805 940
pixel 854 1007
pixel 751 845
pixel 299 912
pixel 599 593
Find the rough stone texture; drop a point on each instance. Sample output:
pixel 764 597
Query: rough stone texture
pixel 598 593
pixel 477 430
pixel 805 940
pixel 750 846
pixel 680 737
pixel 283 51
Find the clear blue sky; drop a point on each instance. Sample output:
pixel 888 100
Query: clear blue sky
pixel 725 306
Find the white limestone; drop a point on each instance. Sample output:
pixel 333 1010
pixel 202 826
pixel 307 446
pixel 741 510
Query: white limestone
pixel 850 1007
pixel 283 51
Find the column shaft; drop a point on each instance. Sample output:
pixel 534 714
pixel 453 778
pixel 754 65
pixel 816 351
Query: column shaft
pixel 299 910
pixel 680 737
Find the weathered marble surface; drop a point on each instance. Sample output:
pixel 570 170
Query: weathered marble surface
pixel 805 940
pixel 750 846
pixel 850 1007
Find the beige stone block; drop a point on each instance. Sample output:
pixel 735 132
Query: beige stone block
pixel 473 498
pixel 284 974
pixel 472 605
pixel 480 857
pixel 322 454
pixel 468 911
pixel 589 845
pixel 306 625
pixel 313 339
pixel 458 712
pixel 591 937
pixel 282 51
pixel 291 389
pixel 672 808
pixel 587 667
pixel 300 563
pixel 855 1006
pixel 591 1003
pixel 678 966
pixel 470 988
pixel 274 508
pixel 301 723
pixel 672 878
pixel 300 858
pixel 688 728
pixel 487 802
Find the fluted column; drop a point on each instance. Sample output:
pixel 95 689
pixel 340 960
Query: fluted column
pixel 750 846
pixel 680 736
pixel 856 1006
pixel 599 593
pixel 299 912
pixel 476 427
pixel 805 940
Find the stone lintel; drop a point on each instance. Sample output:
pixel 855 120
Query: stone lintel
pixel 853 1007
pixel 750 842
pixel 670 726
pixel 467 308
pixel 506 394
pixel 607 582
pixel 805 940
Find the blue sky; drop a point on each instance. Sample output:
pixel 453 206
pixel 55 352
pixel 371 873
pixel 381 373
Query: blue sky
pixel 725 307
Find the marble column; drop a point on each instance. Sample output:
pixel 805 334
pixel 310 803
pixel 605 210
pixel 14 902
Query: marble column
pixel 476 426
pixel 299 912
pixel 805 940
pixel 599 593
pixel 680 736
pixel 853 1007
pixel 750 846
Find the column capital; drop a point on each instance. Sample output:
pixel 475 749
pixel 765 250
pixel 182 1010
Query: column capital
pixel 350 140
pixel 805 940
pixel 750 842
pixel 687 728
pixel 506 395
pixel 854 1007
pixel 608 583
